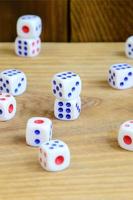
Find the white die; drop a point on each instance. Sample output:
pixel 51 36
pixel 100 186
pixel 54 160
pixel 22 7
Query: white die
pixel 27 47
pixel 39 130
pixel 125 135
pixel 120 76
pixel 29 26
pixel 54 155
pixel 66 85
pixel 67 110
pixel 13 81
pixel 129 47
pixel 7 107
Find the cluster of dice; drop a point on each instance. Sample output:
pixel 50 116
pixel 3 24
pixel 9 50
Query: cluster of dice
pixel 13 82
pixel 66 88
pixel 120 76
pixel 28 42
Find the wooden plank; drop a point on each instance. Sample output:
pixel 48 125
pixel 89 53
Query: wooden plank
pixel 52 12
pixel 99 168
pixel 101 20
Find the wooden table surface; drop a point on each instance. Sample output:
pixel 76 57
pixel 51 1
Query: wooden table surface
pixel 99 168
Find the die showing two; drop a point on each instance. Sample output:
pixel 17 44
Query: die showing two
pixel 13 82
pixel 28 42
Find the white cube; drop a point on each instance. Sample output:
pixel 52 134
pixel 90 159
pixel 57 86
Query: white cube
pixel 66 85
pixel 7 107
pixel 13 81
pixel 67 110
pixel 54 155
pixel 27 47
pixel 29 26
pixel 120 76
pixel 39 130
pixel 129 47
pixel 125 135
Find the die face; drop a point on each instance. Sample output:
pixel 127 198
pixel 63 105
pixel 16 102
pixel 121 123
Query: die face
pixel 120 76
pixel 67 110
pixel 7 107
pixel 13 81
pixel 66 85
pixel 29 26
pixel 27 47
pixel 54 155
pixel 129 47
pixel 39 130
pixel 125 135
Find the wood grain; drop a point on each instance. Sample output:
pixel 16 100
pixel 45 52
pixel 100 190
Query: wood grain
pixel 52 12
pixel 101 20
pixel 99 168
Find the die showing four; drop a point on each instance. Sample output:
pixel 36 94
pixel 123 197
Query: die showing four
pixel 13 81
pixel 66 85
pixel 120 76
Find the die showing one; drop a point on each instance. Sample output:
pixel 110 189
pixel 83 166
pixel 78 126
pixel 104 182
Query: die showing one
pixel 120 76
pixel 66 85
pixel 125 135
pixel 29 26
pixel 39 130
pixel 13 81
pixel 67 110
pixel 27 47
pixel 54 155
pixel 129 47
pixel 7 107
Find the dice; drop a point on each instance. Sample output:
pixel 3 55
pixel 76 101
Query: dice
pixel 129 47
pixel 67 110
pixel 66 85
pixel 125 135
pixel 7 107
pixel 27 47
pixel 39 130
pixel 13 81
pixel 29 26
pixel 54 155
pixel 120 76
